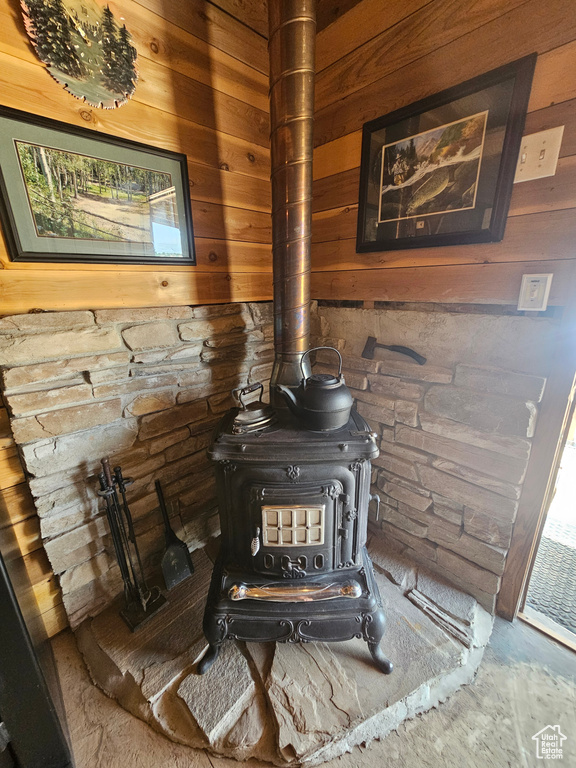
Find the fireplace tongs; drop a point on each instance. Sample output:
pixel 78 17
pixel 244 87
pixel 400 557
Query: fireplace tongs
pixel 297 593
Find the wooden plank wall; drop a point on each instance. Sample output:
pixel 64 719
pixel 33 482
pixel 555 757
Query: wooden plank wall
pixel 202 91
pixel 377 57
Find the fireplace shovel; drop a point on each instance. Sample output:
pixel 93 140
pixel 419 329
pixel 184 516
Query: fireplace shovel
pixel 176 561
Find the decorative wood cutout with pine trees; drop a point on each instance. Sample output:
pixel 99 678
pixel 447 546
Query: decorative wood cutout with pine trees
pixel 84 48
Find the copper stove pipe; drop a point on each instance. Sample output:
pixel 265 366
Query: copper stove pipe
pixel 292 34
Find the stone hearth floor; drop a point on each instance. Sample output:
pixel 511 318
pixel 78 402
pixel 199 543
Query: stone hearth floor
pixel 289 704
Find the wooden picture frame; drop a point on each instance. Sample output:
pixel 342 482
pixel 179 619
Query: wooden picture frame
pixel 69 194
pixel 440 171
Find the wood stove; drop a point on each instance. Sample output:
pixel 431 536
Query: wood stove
pixel 293 566
pixel 294 487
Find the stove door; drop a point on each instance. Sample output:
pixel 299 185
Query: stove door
pixel 298 531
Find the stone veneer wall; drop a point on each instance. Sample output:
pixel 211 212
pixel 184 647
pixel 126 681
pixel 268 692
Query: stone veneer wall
pixel 455 433
pixel 144 386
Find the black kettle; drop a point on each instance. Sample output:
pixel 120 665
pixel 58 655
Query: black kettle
pixel 322 401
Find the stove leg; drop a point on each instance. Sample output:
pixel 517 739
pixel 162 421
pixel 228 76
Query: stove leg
pixel 383 664
pixel 373 631
pixel 208 659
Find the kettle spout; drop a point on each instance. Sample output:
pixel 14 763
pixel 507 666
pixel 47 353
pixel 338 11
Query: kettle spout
pixel 290 398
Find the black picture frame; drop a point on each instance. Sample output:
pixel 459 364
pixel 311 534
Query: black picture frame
pixel 440 171
pixel 70 194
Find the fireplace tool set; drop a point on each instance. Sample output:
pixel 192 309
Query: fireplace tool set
pixel 141 601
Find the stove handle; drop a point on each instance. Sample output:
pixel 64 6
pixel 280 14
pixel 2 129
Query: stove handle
pixel 280 593
pixel 255 543
pixel 376 498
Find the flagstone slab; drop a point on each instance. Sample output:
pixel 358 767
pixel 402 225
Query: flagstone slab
pixel 289 704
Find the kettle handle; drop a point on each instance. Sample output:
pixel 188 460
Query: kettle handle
pixel 241 393
pixel 314 350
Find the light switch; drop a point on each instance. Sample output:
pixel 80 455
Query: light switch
pixel 534 292
pixel 539 154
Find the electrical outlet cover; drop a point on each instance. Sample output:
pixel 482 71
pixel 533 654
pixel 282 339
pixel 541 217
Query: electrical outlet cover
pixel 534 292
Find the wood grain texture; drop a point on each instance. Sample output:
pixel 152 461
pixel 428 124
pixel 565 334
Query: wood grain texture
pixel 226 188
pixel 534 238
pixel 552 193
pixel 16 505
pixel 466 284
pixel 54 620
pixel 528 28
pixel 11 472
pixel 339 155
pixel 253 13
pixel 417 32
pixel 27 535
pixel 6 439
pixel 163 87
pixel 73 289
pixel 202 90
pixel 352 27
pixel 329 11
pixel 215 26
pixel 212 254
pixel 373 69
pixel 24 87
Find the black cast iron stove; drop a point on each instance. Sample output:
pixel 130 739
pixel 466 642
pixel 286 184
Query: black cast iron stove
pixel 293 565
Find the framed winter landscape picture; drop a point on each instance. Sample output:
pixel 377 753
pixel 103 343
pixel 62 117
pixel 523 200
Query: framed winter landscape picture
pixel 70 194
pixel 440 171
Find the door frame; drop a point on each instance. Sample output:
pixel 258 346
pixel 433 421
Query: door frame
pixel 547 446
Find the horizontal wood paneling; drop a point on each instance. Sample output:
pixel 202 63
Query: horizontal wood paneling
pixel 11 472
pixel 427 50
pixel 533 26
pixel 352 28
pixel 411 38
pixel 16 505
pixel 75 289
pixel 6 439
pixel 205 20
pixel 254 13
pixel 461 284
pixel 549 235
pixel 202 90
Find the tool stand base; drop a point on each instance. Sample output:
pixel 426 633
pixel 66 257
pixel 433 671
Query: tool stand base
pixel 135 616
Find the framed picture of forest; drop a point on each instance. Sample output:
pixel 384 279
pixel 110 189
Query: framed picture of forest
pixel 440 171
pixel 68 194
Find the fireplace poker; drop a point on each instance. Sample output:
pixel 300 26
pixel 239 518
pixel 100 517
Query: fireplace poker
pixel 122 482
pixel 106 493
pixel 121 525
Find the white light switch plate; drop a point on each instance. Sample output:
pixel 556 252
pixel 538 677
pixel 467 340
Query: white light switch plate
pixel 534 292
pixel 539 154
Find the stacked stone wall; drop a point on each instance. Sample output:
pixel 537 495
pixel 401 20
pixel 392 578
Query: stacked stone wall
pixel 143 386
pixel 455 434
